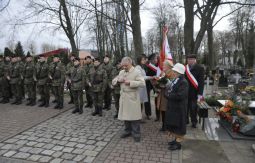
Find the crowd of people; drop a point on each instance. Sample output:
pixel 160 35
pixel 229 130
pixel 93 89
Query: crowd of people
pixel 177 89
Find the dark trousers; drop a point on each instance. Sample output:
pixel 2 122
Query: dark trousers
pixel 31 91
pixel 17 91
pixel 107 97
pixel 70 92
pixel 133 127
pixel 5 88
pixel 117 101
pixel 44 92
pixel 147 105
pixel 192 111
pixel 98 101
pixel 88 96
pixel 78 99
pixel 59 93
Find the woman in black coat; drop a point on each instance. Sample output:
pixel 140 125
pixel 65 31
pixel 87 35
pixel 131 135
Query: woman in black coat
pixel 177 96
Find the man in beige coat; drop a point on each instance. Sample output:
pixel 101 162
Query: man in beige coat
pixel 130 106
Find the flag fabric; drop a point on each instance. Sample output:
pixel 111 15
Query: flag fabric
pixel 165 53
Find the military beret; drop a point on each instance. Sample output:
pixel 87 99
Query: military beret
pixel 191 56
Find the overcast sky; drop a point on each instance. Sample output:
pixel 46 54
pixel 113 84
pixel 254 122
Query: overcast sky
pixel 31 33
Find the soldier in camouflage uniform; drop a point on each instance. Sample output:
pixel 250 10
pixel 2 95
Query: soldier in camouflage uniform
pixel 58 80
pixel 51 69
pixel 15 77
pixel 42 77
pixel 22 86
pixel 98 81
pixel 107 66
pixel 77 84
pixel 87 67
pixel 1 75
pixel 116 88
pixel 69 69
pixel 6 88
pixel 29 80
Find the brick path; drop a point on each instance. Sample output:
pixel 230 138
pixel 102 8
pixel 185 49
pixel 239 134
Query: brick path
pixel 17 118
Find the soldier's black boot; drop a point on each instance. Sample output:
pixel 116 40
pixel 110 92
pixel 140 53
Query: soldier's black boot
pixel 29 102
pixel 46 103
pixel 2 101
pixel 54 101
pixel 81 110
pixel 75 110
pixel 100 112
pixel 42 104
pixel 6 100
pixel 19 102
pixel 33 102
pixel 61 106
pixel 57 106
pixel 95 112
pixel 14 102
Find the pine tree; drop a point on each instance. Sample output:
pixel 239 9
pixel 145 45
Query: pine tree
pixel 8 52
pixel 19 50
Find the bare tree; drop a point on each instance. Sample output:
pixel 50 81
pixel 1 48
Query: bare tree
pixel 4 4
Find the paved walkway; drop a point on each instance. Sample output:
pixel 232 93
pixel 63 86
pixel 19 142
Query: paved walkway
pixel 17 118
pixel 47 135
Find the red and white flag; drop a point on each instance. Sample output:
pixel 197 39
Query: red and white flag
pixel 165 53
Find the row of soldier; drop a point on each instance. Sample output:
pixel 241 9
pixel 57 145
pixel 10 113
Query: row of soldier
pixel 18 78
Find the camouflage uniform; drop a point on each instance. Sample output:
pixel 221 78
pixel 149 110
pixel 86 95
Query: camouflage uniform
pixel 77 83
pixel 107 94
pixel 98 80
pixel 29 82
pixel 5 85
pixel 22 86
pixel 42 72
pixel 58 80
pixel 1 76
pixel 15 74
pixel 69 69
pixel 51 69
pixel 87 69
pixel 116 90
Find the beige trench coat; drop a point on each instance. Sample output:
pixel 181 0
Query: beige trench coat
pixel 130 105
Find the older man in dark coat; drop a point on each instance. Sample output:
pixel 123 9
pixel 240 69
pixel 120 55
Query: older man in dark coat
pixel 176 94
pixel 195 76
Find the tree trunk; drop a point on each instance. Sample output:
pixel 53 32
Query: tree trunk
pixel 68 28
pixel 136 27
pixel 188 26
pixel 211 54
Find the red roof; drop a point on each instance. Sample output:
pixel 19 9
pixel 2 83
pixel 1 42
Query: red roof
pixel 54 52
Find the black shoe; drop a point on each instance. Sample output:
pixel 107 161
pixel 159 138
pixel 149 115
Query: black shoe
pixel 60 107
pixel 172 142
pixel 14 102
pixel 125 135
pixel 80 111
pixel 46 104
pixel 54 101
pixel 42 104
pixel 29 103
pixel 2 101
pixel 70 102
pixel 75 111
pixel 94 113
pixel 18 102
pixel 137 139
pixel 115 116
pixel 176 146
pixel 40 100
pixel 5 101
pixel 100 114
pixel 194 125
pixel 32 103
pixel 56 107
